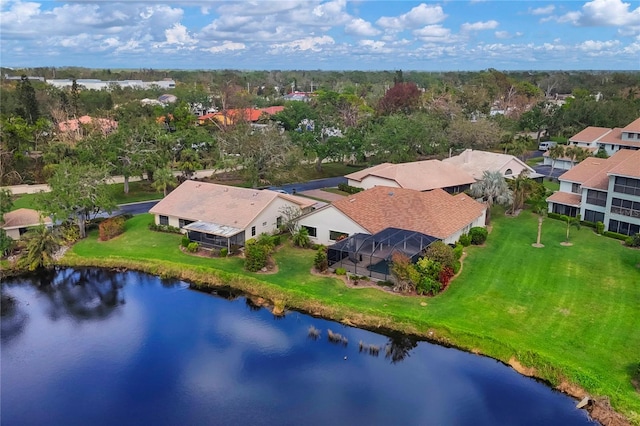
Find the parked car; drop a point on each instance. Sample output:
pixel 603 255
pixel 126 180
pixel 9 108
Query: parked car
pixel 544 146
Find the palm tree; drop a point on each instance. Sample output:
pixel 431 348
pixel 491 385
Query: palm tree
pixel 555 152
pixel 162 179
pixel 42 244
pixel 571 221
pixel 493 190
pixel 522 186
pixel 576 154
pixel 539 207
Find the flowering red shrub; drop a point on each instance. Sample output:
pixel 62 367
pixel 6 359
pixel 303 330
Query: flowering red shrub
pixel 445 276
pixel 111 228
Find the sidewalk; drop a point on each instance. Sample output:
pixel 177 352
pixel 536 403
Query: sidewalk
pixel 43 187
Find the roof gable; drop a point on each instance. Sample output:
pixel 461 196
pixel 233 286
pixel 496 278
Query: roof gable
pixel 436 212
pixel 419 175
pixel 220 204
pixel 477 162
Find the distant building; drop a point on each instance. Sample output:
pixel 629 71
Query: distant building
pixel 611 140
pixel 95 84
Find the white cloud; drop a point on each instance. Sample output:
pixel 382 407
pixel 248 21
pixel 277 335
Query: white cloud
pixel 479 26
pixel 507 35
pixel 604 13
pixel 178 35
pixel 314 44
pixel 542 10
pixel 375 46
pixel 433 33
pixel 360 27
pixel 592 45
pixel 226 46
pixel 416 17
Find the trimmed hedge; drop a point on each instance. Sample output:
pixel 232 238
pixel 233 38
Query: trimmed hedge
pixel 478 235
pixel 349 189
pixel 615 235
pixel 111 228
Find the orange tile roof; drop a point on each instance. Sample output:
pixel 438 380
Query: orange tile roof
pixel 436 213
pixel 566 198
pixel 220 204
pixel 72 125
pixel 22 218
pixel 590 134
pixel 629 166
pixel 418 175
pixel 634 126
pixel 585 170
pixel 593 172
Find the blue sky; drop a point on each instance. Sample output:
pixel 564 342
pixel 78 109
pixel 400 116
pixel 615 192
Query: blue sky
pixel 329 35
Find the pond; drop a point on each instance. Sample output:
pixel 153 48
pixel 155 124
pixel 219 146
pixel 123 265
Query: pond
pixel 96 347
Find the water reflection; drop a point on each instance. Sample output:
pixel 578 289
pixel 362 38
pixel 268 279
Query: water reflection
pixel 83 294
pixel 173 356
pixel 12 318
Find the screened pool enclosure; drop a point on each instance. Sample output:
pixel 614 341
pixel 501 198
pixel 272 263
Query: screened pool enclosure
pixel 370 255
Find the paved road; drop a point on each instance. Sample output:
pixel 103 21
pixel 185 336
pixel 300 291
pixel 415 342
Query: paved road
pixel 292 188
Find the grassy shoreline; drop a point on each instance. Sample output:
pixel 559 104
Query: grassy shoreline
pixel 544 311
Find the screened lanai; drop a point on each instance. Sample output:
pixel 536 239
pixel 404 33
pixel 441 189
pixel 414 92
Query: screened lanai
pixel 370 255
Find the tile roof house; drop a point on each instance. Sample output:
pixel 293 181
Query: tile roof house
pixel 75 126
pixel 17 222
pixel 418 175
pixel 602 190
pixel 611 140
pixel 232 116
pixel 220 216
pixel 435 213
pixel 477 162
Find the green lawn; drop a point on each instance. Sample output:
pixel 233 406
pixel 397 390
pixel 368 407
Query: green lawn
pixel 551 185
pixel 571 312
pixel 138 191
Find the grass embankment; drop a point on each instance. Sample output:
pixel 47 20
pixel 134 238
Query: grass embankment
pixel 572 313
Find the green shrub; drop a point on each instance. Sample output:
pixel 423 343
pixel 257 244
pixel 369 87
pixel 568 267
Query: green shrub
pixel 224 252
pixel 633 241
pixel 301 237
pixel 111 228
pixel 185 241
pixel 554 216
pixel 599 227
pixel 276 240
pixel 615 235
pixel 164 228
pixel 465 240
pixel 349 189
pixel 193 247
pixel 478 235
pixel 320 261
pixel 441 253
pixel 256 256
pixel 341 271
pixel 457 251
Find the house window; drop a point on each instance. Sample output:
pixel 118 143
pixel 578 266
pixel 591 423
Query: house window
pixel 253 231
pixel 576 188
pixel 592 216
pixel 184 222
pixel 313 232
pixel 508 172
pixel 623 227
pixel 264 223
pixel 163 220
pixel 279 221
pixel 625 207
pixel 627 185
pixel 337 236
pixel 597 198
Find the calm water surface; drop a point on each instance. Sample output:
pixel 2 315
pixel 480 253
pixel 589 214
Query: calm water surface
pixel 92 347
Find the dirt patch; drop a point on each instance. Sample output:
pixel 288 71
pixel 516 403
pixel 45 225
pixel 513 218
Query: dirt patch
pixel 566 244
pixel 599 408
pixel 351 283
pixel 525 371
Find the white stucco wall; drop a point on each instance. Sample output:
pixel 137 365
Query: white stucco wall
pixel 266 221
pixel 515 166
pixel 329 219
pixel 479 221
pixel 371 181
